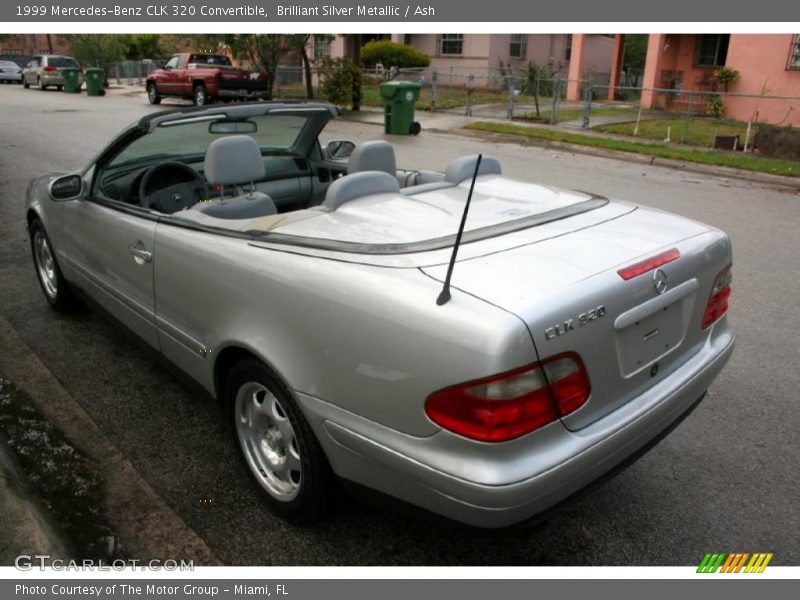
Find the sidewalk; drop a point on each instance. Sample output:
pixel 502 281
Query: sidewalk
pixel 25 528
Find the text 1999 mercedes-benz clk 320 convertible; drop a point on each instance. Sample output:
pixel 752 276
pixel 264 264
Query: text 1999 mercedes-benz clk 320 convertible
pixel 356 320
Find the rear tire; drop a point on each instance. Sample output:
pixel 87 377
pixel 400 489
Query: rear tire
pixel 152 94
pixel 55 288
pixel 200 95
pixel 25 83
pixel 276 443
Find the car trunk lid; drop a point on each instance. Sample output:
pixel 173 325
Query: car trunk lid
pixel 569 293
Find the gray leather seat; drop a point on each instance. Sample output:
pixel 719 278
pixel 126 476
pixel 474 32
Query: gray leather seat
pixel 236 160
pixel 373 156
pixel 463 168
pixel 358 185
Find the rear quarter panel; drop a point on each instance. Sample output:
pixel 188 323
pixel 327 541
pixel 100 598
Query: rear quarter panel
pixel 368 339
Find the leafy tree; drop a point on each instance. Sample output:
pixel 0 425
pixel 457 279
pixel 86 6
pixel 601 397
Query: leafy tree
pixel 299 43
pixel 635 52
pixel 339 78
pixel 391 54
pixel 93 50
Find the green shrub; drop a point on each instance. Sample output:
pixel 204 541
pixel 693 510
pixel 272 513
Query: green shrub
pixel 339 76
pixel 391 54
pixel 715 106
pixel 778 141
pixel 726 76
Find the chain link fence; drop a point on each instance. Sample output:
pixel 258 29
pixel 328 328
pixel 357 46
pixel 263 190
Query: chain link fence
pixel 709 119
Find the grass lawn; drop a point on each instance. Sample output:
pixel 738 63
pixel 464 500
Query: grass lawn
pixel 735 160
pixel 572 114
pixel 701 130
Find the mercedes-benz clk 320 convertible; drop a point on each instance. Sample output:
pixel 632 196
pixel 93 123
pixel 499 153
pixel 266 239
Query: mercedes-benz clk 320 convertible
pixel 353 324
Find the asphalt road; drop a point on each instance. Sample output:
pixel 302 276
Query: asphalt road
pixel 727 479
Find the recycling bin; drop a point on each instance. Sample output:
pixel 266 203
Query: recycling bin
pixel 94 82
pixel 399 98
pixel 72 80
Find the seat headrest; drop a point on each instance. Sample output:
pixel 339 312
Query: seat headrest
pixel 373 156
pixel 359 185
pixel 463 168
pixel 234 160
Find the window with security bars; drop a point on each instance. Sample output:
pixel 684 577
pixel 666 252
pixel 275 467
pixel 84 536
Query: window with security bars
pixel 451 44
pixel 518 45
pixel 322 46
pixel 713 50
pixel 794 57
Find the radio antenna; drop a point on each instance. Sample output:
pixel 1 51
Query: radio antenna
pixel 444 295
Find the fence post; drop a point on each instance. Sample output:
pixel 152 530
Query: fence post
pixel 434 90
pixel 470 89
pixel 688 117
pixel 510 99
pixel 587 106
pixel 556 93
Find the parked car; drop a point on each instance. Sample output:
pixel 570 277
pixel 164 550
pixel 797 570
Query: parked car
pixel 10 72
pixel 204 78
pixel 305 290
pixel 44 70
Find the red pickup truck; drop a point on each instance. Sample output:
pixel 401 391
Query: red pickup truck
pixel 204 78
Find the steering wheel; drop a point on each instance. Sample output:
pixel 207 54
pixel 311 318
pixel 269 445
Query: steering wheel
pixel 177 196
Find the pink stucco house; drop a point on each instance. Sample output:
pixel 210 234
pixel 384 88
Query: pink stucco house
pixel 464 54
pixel 769 67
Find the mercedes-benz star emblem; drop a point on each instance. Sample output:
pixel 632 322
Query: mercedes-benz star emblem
pixel 660 281
pixel 177 197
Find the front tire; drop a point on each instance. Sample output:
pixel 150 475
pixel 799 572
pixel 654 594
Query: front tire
pixel 152 94
pixel 54 286
pixel 200 95
pixel 277 445
pixel 41 84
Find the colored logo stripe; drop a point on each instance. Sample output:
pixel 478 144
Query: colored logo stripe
pixel 734 562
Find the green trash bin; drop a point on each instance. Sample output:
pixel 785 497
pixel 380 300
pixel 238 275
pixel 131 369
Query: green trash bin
pixel 94 82
pixel 399 98
pixel 72 81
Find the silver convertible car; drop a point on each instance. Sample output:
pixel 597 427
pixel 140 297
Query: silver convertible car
pixel 475 345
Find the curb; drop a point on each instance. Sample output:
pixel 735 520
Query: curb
pixel 27 528
pixel 147 526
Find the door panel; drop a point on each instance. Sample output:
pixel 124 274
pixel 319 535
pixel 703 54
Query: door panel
pixel 111 253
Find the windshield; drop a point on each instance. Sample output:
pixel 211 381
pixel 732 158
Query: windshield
pixel 62 61
pixel 209 59
pixel 188 139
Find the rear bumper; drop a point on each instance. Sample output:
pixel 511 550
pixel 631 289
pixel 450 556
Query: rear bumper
pixel 241 93
pixel 497 485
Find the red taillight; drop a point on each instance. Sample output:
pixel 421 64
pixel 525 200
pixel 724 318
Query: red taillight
pixel 718 300
pixel 50 68
pixel 511 404
pixel 649 264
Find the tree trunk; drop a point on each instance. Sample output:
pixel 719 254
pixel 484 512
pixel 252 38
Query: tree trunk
pixel 357 80
pixel 49 44
pixel 309 80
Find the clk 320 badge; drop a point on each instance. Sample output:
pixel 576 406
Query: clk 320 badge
pixel 570 324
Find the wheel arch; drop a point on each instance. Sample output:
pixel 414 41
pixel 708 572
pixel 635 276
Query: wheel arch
pixel 231 355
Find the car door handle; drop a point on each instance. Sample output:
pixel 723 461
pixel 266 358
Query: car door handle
pixel 140 255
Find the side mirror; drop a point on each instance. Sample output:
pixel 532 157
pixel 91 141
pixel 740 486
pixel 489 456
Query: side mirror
pixel 339 149
pixel 67 187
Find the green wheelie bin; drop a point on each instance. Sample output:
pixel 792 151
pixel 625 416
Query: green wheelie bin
pixel 94 82
pixel 399 98
pixel 72 80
